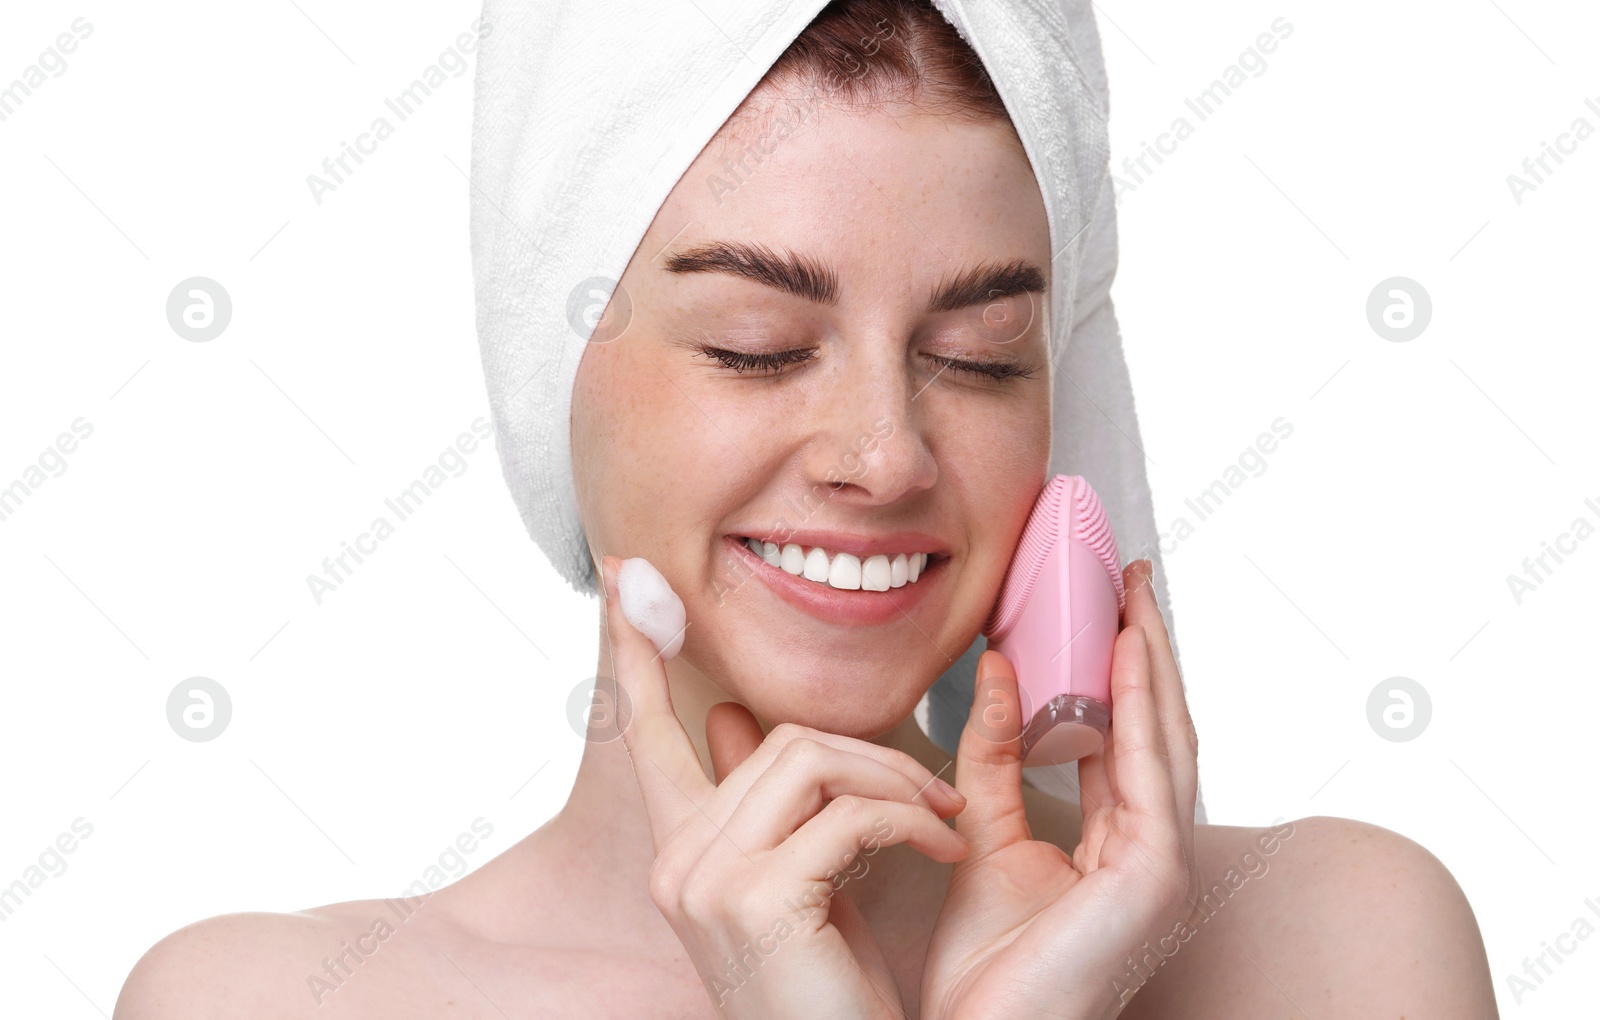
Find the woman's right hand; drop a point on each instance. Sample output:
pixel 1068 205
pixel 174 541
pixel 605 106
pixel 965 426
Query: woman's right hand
pixel 746 867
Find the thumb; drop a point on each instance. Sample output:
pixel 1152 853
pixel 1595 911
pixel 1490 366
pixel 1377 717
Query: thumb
pixel 732 735
pixel 989 761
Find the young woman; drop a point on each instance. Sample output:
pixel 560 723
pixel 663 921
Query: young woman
pixel 773 835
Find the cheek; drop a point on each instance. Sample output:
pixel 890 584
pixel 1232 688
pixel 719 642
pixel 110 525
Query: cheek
pixel 652 459
pixel 999 450
pixel 1001 460
pixel 612 417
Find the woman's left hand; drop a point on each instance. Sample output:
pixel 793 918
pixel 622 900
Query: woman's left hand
pixel 1025 930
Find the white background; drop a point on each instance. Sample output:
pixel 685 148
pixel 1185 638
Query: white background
pixel 431 688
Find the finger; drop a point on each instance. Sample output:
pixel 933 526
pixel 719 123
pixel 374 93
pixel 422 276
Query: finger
pixel 738 782
pixel 665 761
pixel 830 844
pixel 1094 781
pixel 1137 764
pixel 732 735
pixel 989 760
pixel 801 781
pixel 1172 707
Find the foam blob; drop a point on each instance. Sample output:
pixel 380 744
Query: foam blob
pixel 651 605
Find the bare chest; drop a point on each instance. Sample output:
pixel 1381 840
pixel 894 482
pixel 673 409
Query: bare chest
pixel 484 981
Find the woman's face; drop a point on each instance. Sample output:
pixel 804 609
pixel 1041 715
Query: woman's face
pixel 862 273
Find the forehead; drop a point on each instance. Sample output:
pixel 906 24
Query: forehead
pixel 884 193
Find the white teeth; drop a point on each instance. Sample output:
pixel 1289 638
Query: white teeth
pixel 816 565
pixel 845 572
pixel 793 559
pixel 875 574
pixel 842 570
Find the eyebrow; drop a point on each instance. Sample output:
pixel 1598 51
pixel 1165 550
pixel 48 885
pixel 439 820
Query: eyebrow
pixel 815 280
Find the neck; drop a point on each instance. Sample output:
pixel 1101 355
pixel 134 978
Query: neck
pixel 602 837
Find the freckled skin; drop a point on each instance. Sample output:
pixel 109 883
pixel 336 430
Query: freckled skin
pixel 670 450
pixel 895 204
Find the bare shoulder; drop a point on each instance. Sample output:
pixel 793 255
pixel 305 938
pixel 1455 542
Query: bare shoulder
pixel 398 960
pixel 323 962
pixel 1330 916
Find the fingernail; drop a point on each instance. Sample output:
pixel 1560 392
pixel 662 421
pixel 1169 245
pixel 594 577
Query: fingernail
pixel 649 603
pixel 988 663
pixel 948 790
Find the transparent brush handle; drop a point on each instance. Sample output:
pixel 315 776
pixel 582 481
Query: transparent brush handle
pixel 1068 727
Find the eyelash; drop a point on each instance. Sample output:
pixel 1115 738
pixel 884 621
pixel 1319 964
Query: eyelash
pixel 999 371
pixel 741 362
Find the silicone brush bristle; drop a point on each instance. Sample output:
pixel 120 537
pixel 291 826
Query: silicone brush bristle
pixel 1094 530
pixel 1064 495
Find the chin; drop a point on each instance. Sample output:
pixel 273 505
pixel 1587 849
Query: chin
pixel 850 698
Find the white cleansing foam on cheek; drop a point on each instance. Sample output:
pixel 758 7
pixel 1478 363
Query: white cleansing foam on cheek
pixel 651 605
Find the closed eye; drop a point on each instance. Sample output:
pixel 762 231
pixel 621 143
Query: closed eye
pixel 774 363
pixel 997 370
pixel 742 362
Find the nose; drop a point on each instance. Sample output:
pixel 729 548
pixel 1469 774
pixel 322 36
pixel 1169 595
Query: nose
pixel 872 448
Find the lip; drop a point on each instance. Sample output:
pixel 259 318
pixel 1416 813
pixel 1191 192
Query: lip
pixel 844 605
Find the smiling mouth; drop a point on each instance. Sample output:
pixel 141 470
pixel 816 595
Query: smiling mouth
pixel 842 570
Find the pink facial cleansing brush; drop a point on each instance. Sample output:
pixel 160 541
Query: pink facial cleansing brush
pixel 1056 618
